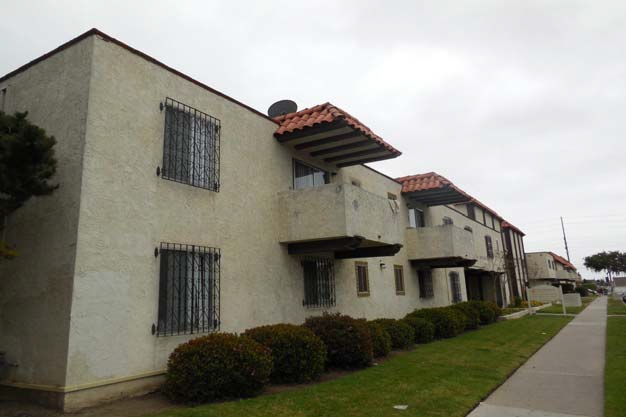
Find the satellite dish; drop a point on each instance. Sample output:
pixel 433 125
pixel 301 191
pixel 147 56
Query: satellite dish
pixel 282 107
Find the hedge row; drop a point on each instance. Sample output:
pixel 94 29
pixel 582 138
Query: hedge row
pixel 224 365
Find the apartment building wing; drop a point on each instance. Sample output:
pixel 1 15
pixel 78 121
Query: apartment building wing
pixel 550 268
pixel 452 229
pixel 183 211
pixel 517 269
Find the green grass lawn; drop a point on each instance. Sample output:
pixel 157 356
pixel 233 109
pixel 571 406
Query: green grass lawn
pixel 615 306
pixel 444 378
pixel 615 368
pixel 558 309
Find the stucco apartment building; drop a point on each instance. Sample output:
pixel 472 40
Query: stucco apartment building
pixel 545 268
pixel 182 211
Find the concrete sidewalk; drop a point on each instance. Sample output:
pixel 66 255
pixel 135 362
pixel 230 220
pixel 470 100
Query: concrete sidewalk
pixel 564 378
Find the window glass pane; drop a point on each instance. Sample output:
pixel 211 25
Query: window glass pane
pixel 306 176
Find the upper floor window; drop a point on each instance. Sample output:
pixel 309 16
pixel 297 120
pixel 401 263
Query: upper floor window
pixel 447 220
pixel 319 282
pixel 489 245
pixel 425 279
pixel 189 289
pixel 471 212
pixel 416 218
pixel 362 279
pixel 306 176
pixel 3 95
pixel 469 229
pixel 398 273
pixel 455 287
pixel 191 146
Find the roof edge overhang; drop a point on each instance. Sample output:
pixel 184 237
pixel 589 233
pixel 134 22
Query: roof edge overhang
pixel 437 196
pixel 337 143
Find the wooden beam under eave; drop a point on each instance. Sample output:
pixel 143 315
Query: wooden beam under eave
pixel 366 160
pixel 326 141
pixel 351 155
pixel 309 131
pixel 340 148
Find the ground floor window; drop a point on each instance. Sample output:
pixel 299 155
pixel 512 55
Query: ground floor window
pixel 425 278
pixel 455 286
pixel 398 272
pixel 319 282
pixel 189 289
pixel 362 279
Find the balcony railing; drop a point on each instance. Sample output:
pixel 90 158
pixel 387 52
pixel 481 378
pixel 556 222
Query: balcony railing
pixel 340 213
pixel 440 246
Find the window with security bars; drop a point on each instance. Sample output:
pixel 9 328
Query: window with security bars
pixel 191 146
pixel 398 273
pixel 425 279
pixel 489 246
pixel 189 289
pixel 319 282
pixel 455 287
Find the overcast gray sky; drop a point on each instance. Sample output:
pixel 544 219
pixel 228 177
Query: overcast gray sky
pixel 520 103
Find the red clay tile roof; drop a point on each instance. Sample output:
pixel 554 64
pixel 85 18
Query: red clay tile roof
pixel 507 225
pixel 428 181
pixel 562 260
pixel 324 114
pixel 432 180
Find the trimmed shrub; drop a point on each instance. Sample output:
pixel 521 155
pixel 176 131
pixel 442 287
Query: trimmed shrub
pixel 584 292
pixel 348 340
pixel 497 311
pixel 448 321
pixel 298 354
pixel 220 365
pixel 470 313
pixel 381 341
pixel 517 301
pixel 424 330
pixel 402 334
pixel 487 315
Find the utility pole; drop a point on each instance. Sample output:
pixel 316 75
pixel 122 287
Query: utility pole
pixel 565 239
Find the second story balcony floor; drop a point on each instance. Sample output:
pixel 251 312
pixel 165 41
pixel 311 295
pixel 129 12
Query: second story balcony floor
pixel 339 218
pixel 440 246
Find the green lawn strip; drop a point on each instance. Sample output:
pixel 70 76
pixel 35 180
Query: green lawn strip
pixel 615 368
pixel 615 306
pixel 558 309
pixel 444 378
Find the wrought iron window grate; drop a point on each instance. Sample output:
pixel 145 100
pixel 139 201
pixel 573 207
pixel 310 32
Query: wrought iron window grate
pixel 191 146
pixel 455 284
pixel 319 282
pixel 425 280
pixel 189 289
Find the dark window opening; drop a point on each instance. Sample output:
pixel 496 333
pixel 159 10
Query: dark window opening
pixel 425 279
pixel 489 245
pixel 191 147
pixel 319 282
pixel 398 273
pixel 447 220
pixel 307 176
pixel 455 287
pixel 189 289
pixel 471 213
pixel 469 229
pixel 362 278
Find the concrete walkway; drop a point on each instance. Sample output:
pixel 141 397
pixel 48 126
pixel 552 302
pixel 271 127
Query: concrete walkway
pixel 565 378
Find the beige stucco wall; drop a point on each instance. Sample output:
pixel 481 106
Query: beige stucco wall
pixel 36 287
pixel 126 210
pixel 122 210
pixel 538 266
